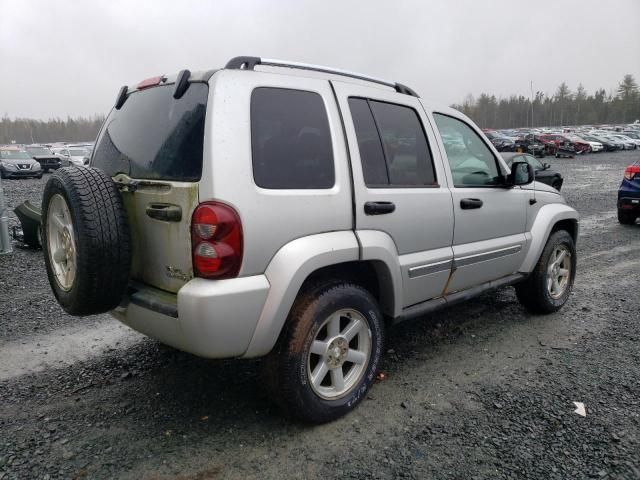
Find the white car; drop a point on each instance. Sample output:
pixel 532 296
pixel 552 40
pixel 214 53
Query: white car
pixel 627 141
pixel 73 155
pixel 595 146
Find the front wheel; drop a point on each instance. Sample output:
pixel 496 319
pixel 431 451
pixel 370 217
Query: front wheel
pixel 549 286
pixel 328 353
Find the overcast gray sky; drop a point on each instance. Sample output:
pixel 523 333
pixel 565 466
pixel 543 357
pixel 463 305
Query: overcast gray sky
pixel 67 57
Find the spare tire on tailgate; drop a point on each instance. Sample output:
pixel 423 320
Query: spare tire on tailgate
pixel 86 240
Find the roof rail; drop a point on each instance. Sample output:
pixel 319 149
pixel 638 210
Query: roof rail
pixel 249 63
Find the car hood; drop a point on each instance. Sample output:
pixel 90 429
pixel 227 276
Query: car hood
pixel 13 161
pixel 540 187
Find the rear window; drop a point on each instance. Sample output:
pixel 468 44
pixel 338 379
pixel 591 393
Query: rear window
pixel 154 136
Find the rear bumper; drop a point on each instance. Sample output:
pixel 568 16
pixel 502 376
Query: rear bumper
pixel 213 319
pixel 629 203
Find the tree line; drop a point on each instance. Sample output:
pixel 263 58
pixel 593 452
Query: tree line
pixel 25 130
pixel 564 107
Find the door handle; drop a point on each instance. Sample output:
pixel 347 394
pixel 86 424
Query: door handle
pixel 470 203
pixel 379 208
pixel 165 212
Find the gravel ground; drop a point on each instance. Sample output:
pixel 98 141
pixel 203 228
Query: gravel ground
pixel 483 390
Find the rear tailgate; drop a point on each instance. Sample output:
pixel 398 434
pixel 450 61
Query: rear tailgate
pixel 152 147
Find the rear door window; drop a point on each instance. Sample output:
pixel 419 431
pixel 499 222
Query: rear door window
pixel 392 144
pixel 290 140
pixel 155 136
pixel 374 167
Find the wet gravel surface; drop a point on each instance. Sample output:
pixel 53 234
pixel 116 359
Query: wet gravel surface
pixel 483 390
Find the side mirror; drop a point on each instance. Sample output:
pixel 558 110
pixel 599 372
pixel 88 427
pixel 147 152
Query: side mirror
pixel 521 174
pixel 546 166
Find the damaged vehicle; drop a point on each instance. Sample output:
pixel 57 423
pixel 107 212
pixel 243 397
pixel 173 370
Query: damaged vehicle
pixel 296 212
pixel 45 157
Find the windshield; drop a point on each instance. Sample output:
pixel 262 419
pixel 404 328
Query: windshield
pixel 14 155
pixel 38 151
pixel 534 162
pixel 155 136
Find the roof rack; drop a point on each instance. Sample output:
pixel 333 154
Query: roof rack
pixel 248 63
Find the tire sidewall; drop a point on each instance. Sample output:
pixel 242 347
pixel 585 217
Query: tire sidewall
pixel 337 298
pixel 55 186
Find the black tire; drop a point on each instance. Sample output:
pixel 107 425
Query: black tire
pixel 533 292
pixel 286 373
pixel 557 184
pixel 626 217
pixel 102 240
pixel 39 176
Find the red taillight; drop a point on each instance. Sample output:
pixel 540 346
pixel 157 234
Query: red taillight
pixel 216 241
pixel 631 171
pixel 149 82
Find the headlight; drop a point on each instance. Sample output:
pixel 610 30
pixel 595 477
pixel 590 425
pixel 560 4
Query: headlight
pixel 10 167
pixel 35 166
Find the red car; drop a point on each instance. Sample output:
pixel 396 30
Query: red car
pixel 564 141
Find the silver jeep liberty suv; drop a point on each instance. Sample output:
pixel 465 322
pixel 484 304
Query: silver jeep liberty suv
pixel 293 211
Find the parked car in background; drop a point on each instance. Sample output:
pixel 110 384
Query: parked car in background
pixel 543 171
pixel 620 145
pixel 86 145
pixel 629 195
pixel 530 143
pixel 629 143
pixel 16 162
pixel 500 141
pixel 607 145
pixel 74 155
pixel 595 145
pixel 563 143
pixel 45 157
pixel 632 133
pixel 580 144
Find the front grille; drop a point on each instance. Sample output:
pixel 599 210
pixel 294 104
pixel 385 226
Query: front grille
pixel 24 166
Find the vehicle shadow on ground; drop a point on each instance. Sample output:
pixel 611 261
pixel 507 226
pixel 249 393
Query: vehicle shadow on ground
pixel 190 394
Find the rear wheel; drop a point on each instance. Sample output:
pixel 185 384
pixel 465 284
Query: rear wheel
pixel 328 353
pixel 85 238
pixel 626 217
pixel 549 286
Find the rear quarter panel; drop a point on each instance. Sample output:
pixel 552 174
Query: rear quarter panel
pixel 270 218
